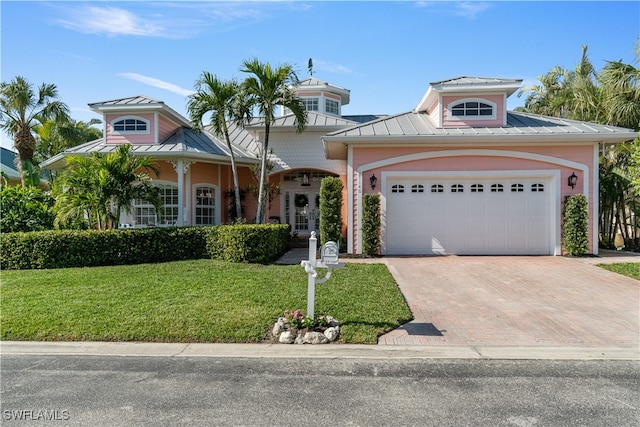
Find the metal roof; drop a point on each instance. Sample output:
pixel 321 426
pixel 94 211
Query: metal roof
pixel 417 127
pixel 138 103
pixel 319 85
pixel 7 163
pixel 313 120
pixel 183 143
pixel 468 80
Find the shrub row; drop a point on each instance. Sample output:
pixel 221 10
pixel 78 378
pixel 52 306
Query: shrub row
pixel 89 248
pixel 248 243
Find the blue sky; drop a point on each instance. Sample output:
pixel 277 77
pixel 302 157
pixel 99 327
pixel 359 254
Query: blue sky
pixel 385 52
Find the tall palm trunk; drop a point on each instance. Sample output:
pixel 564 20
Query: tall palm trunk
pixel 25 143
pixel 262 194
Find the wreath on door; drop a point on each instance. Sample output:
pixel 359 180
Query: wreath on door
pixel 301 200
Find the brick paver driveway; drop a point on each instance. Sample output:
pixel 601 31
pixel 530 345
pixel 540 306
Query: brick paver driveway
pixel 515 301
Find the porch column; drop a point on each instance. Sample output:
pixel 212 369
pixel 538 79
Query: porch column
pixel 180 172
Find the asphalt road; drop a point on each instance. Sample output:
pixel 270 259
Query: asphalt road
pixel 208 391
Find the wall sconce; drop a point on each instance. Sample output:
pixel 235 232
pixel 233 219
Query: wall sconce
pixel 305 180
pixel 572 180
pixel 373 180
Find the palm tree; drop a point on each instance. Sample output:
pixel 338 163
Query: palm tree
pixel 21 108
pixel 265 89
pixel 220 99
pixel 90 186
pixel 54 136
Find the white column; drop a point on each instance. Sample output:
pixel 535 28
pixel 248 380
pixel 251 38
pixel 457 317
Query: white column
pixel 180 172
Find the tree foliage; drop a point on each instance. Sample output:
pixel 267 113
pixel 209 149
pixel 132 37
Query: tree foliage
pixel 575 228
pixel 266 88
pixel 21 109
pixel 96 189
pixel 25 209
pixel 330 210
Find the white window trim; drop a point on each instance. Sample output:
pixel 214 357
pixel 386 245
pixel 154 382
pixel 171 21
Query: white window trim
pixel 217 200
pixel 452 104
pixel 130 132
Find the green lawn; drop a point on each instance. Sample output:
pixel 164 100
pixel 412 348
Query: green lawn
pixel 631 269
pixel 191 301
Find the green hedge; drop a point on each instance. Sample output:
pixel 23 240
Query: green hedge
pixel 89 248
pixel 255 243
pixel 330 210
pixel 371 224
pixel 575 228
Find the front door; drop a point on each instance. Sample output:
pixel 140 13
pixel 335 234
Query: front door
pixel 303 211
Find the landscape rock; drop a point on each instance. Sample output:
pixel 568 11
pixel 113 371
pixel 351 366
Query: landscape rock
pixel 299 339
pixel 287 337
pixel 332 333
pixel 315 338
pixel 331 321
pixel 279 326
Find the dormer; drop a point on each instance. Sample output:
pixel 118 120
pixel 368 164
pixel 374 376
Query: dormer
pixel 137 120
pixel 468 101
pixel 321 97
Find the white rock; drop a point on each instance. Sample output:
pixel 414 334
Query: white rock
pixel 278 327
pixel 315 338
pixel 287 337
pixel 331 321
pixel 299 339
pixel 332 333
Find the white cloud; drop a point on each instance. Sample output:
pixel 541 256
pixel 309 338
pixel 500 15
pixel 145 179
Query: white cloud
pixel 151 81
pixel 466 9
pixel 111 21
pixel 329 67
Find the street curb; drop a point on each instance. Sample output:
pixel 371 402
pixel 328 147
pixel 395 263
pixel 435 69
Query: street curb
pixel 331 351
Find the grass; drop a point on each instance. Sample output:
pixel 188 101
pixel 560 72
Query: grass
pixel 191 301
pixel 631 269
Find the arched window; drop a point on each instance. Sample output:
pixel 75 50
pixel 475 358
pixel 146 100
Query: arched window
pixel 130 125
pixel 517 188
pixel 537 188
pixel 417 188
pixel 474 109
pixel 205 205
pixel 437 188
pixel 497 188
pixel 457 188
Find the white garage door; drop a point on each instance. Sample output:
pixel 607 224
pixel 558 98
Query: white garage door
pixel 469 216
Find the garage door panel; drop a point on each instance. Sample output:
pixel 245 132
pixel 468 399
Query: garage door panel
pixel 459 221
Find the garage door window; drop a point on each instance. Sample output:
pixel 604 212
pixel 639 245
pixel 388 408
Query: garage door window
pixel 397 188
pixel 537 188
pixel 497 188
pixel 457 188
pixel 437 188
pixel 417 188
pixel 517 188
pixel 477 188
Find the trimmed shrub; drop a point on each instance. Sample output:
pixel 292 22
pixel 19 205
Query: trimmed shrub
pixel 330 210
pixel 575 229
pixel 89 248
pixel 370 224
pixel 253 243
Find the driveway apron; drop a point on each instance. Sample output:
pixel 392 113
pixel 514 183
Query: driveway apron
pixel 515 301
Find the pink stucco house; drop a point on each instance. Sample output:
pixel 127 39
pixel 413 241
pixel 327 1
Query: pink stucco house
pixel 458 174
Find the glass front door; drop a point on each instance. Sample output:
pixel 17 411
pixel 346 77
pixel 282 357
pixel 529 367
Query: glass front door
pixel 303 211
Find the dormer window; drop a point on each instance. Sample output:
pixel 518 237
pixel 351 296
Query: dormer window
pixel 331 106
pixel 310 104
pixel 130 125
pixel 472 109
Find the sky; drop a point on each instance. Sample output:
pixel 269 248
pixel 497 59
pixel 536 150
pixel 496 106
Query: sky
pixel 385 52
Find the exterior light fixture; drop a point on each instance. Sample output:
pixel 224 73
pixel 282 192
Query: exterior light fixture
pixel 305 180
pixel 373 180
pixel 572 180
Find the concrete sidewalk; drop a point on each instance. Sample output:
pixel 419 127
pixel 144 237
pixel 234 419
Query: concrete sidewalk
pixel 329 351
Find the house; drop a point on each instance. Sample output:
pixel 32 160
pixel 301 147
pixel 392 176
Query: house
pixel 8 167
pixel 458 174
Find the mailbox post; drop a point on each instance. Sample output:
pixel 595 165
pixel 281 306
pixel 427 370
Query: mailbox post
pixel 328 260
